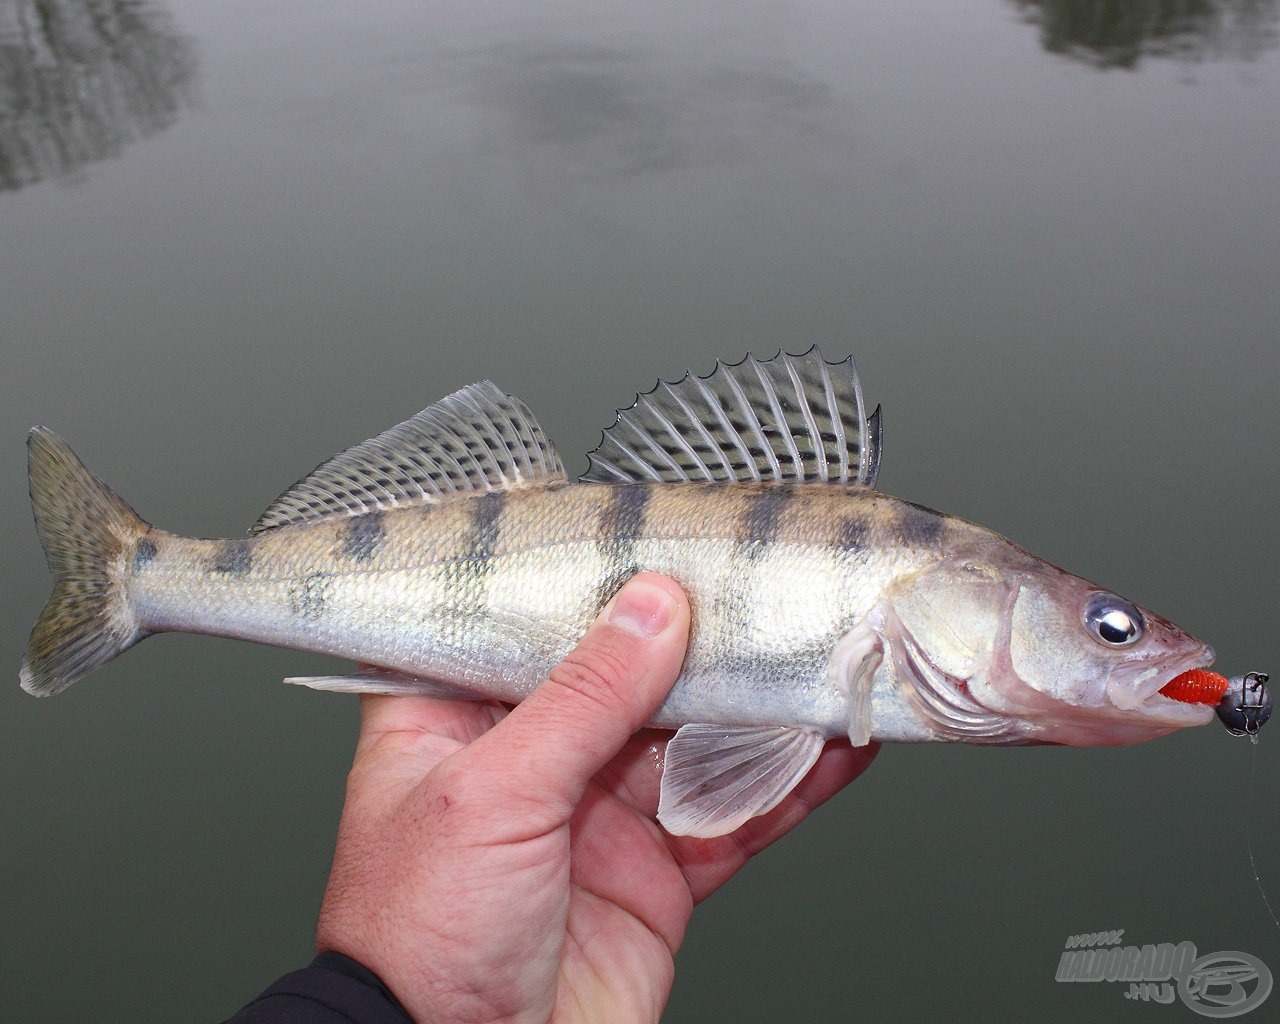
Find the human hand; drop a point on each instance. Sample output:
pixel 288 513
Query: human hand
pixel 506 866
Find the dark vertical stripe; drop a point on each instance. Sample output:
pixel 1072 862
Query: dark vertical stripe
pixel 760 524
pixel 309 596
pixel 466 581
pixel 735 599
pixel 622 523
pixel 919 526
pixel 364 535
pixel 234 557
pixel 851 535
pixel 143 552
pixel 485 525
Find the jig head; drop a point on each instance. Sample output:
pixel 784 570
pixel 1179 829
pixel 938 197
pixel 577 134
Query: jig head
pixel 1246 705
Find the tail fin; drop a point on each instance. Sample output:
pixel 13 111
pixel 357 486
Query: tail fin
pixel 88 534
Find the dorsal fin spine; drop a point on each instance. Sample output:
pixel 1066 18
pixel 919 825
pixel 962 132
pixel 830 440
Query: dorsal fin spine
pixel 631 453
pixel 780 417
pixel 703 432
pixel 617 475
pixel 870 468
pixel 674 433
pixel 809 420
pixel 714 403
pixel 842 445
pixel 792 419
pixel 648 439
pixel 749 409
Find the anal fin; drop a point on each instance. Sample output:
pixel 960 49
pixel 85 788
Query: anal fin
pixel 387 682
pixel 717 777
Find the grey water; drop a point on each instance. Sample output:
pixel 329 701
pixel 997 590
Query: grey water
pixel 236 237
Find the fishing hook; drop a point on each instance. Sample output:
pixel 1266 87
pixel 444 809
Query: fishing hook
pixel 1246 705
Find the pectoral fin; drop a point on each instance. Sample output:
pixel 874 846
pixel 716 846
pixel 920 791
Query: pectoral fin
pixel 717 777
pixel 386 682
pixel 851 671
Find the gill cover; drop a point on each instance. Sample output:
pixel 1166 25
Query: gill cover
pixel 947 630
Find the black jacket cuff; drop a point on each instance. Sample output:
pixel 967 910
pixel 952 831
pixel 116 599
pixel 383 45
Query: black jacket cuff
pixel 332 989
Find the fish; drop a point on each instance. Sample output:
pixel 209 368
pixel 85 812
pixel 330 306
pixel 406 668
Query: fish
pixel 452 556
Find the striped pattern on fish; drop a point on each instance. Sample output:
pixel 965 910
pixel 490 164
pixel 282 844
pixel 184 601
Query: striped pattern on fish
pixel 491 591
pixel 451 555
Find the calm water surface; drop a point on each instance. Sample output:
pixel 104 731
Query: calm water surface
pixel 236 237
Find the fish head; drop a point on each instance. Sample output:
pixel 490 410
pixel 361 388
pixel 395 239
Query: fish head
pixel 1011 649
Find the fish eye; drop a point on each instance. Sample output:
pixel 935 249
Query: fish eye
pixel 1112 620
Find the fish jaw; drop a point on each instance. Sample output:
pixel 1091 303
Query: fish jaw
pixel 1135 710
pixel 1141 696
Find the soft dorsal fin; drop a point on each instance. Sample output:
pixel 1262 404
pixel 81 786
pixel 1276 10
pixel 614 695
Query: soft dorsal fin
pixel 793 419
pixel 476 439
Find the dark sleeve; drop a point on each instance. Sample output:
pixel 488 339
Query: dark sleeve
pixel 333 989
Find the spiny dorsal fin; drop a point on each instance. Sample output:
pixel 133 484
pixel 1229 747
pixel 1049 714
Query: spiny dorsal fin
pixel 477 439
pixel 795 419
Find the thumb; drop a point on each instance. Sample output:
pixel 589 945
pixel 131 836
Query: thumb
pixel 606 688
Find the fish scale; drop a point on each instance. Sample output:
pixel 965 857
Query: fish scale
pixel 467 589
pixel 451 556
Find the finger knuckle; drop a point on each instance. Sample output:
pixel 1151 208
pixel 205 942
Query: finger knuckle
pixel 594 674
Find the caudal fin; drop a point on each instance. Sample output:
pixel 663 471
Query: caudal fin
pixel 88 534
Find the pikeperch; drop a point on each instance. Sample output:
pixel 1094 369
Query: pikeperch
pixel 452 553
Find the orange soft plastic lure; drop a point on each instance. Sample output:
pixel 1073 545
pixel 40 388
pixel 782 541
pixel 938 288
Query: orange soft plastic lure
pixel 1199 686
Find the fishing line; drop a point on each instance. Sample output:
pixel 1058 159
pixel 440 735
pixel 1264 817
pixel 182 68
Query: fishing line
pixel 1248 830
pixel 1244 709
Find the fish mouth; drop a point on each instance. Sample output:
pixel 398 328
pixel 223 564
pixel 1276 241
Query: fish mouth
pixel 1143 700
pixel 1134 710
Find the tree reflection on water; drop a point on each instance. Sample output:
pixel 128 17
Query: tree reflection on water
pixel 80 79
pixel 1120 33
